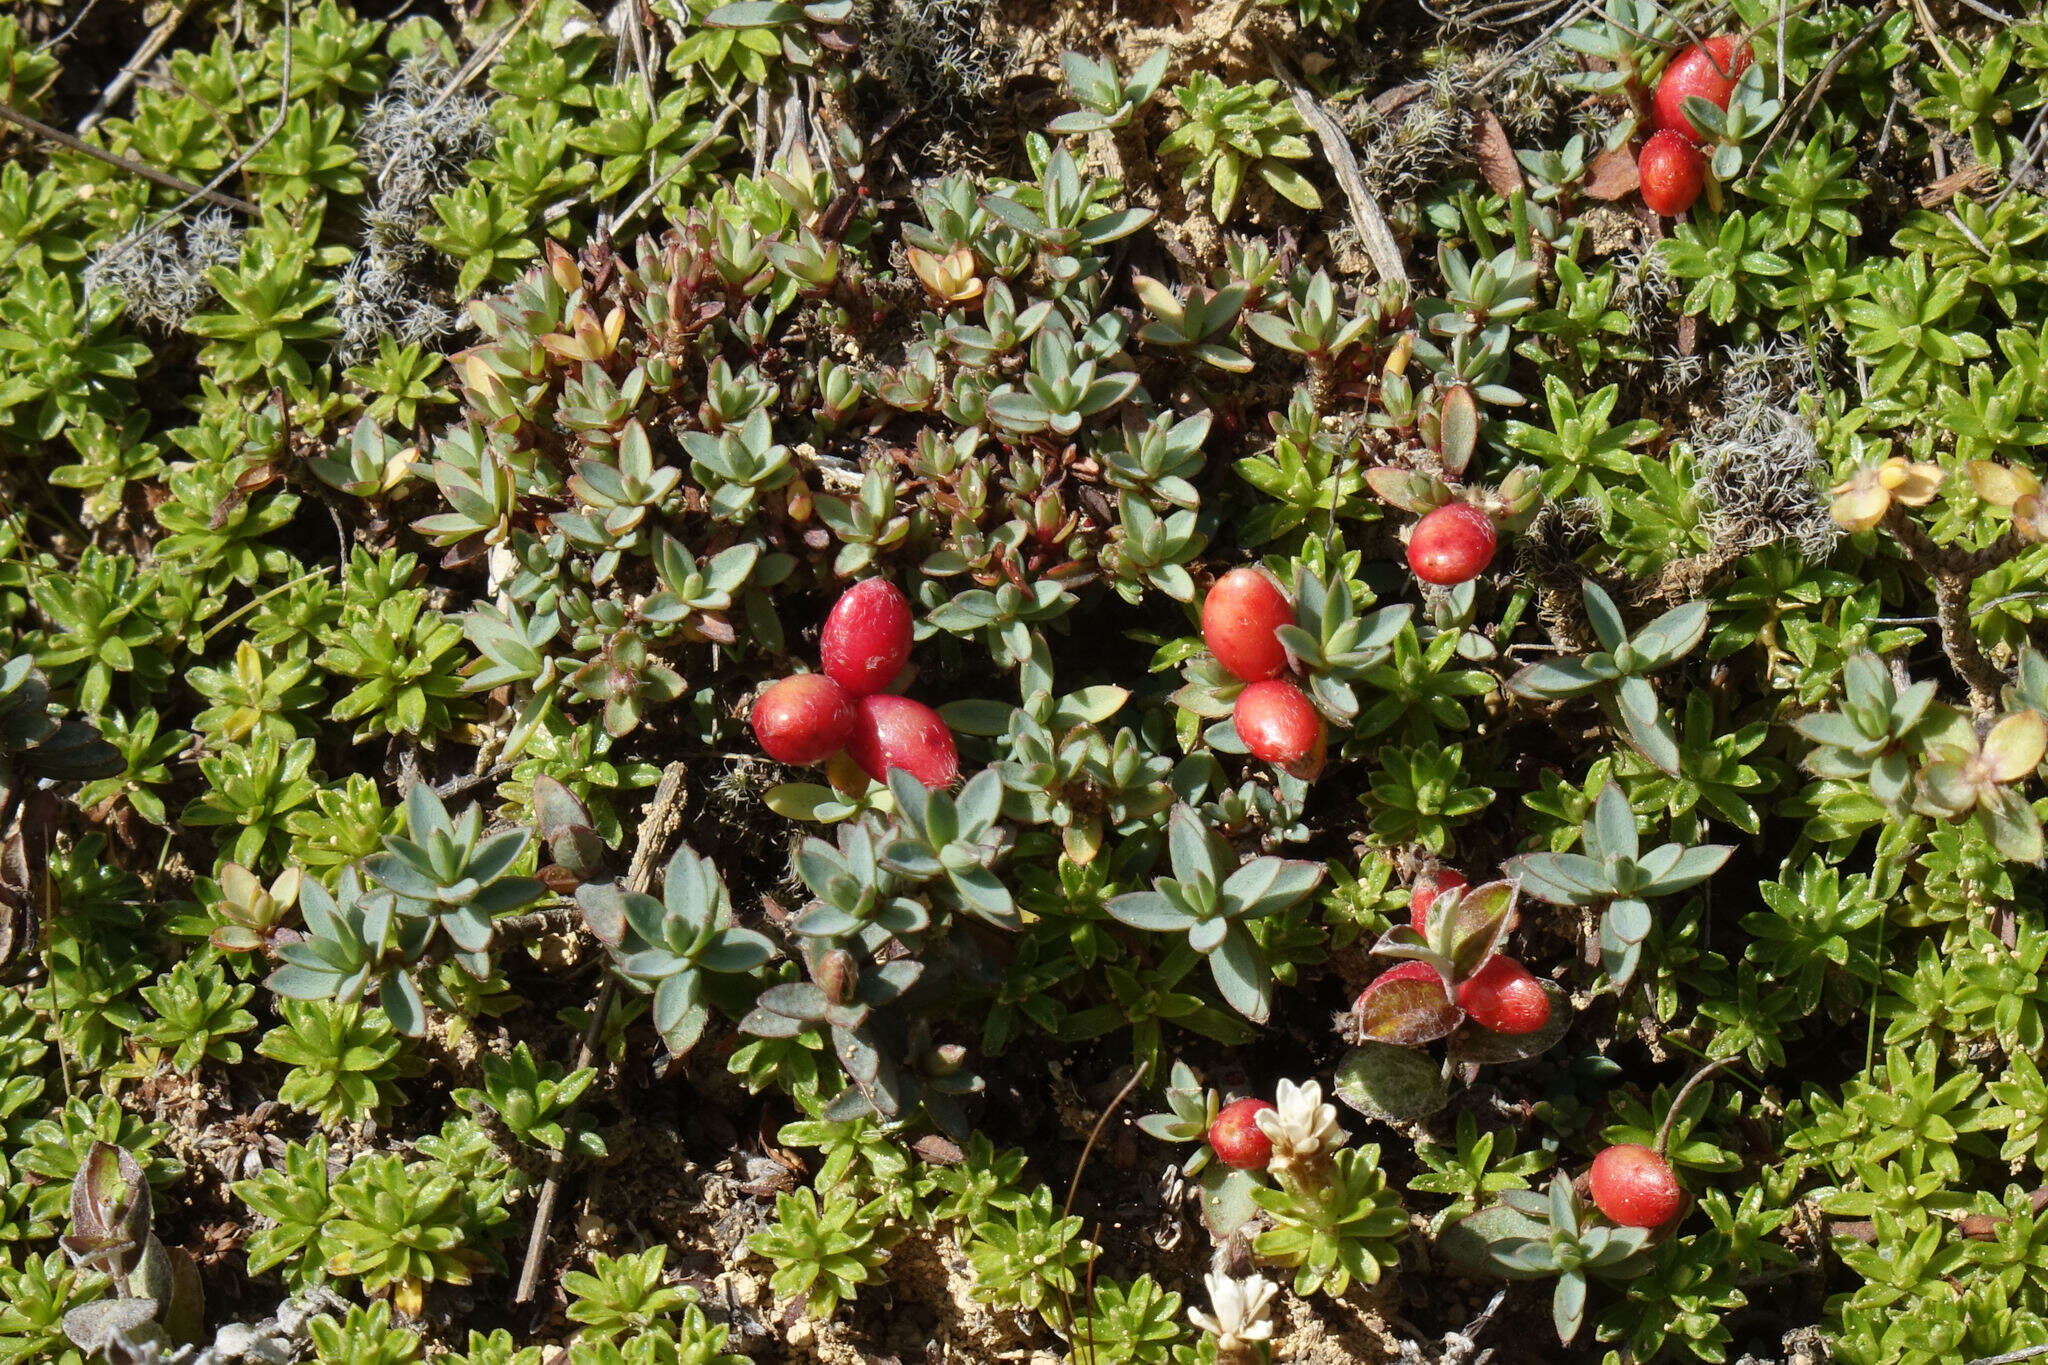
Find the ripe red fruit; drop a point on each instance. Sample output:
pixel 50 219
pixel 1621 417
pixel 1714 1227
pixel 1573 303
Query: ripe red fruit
pixel 1697 71
pixel 1635 1187
pixel 895 732
pixel 1240 616
pixel 1236 1137
pixel 866 641
pixel 1427 888
pixel 1503 996
pixel 1452 544
pixel 1673 173
pixel 1280 725
pixel 803 719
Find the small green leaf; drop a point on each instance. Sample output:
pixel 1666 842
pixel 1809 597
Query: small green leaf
pixel 1392 1084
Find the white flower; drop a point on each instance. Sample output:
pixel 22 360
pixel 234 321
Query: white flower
pixel 1299 1125
pixel 1240 1317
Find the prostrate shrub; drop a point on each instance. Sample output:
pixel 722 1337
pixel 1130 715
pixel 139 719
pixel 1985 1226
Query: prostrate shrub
pixel 732 681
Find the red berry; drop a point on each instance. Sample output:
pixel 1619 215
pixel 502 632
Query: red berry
pixel 1452 544
pixel 1427 888
pixel 1672 171
pixel 895 732
pixel 1503 996
pixel 866 641
pixel 803 719
pixel 1635 1187
pixel 1280 725
pixel 1697 71
pixel 1236 1137
pixel 1240 616
pixel 1406 971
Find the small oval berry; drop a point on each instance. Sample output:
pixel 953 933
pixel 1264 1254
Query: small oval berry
pixel 895 732
pixel 1236 1137
pixel 1240 620
pixel 803 719
pixel 1452 544
pixel 1427 888
pixel 1282 726
pixel 1635 1187
pixel 866 640
pixel 1697 71
pixel 1505 997
pixel 1405 971
pixel 1672 172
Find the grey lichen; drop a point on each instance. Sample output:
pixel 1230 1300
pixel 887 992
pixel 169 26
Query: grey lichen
pixel 417 141
pixel 160 272
pixel 1760 467
pixel 1406 148
pixel 934 53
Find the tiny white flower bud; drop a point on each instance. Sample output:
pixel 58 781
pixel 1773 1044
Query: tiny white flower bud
pixel 1240 1318
pixel 1300 1125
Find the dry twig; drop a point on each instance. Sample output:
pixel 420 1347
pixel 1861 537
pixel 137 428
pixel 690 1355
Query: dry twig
pixel 481 58
pixel 664 817
pixel 1074 1185
pixel 2014 1357
pixel 144 55
pixel 1801 109
pixel 241 159
pixel 1365 214
pixel 150 173
pixel 646 196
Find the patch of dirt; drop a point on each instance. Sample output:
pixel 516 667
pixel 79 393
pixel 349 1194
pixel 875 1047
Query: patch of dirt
pixel 1339 1332
pixel 1612 231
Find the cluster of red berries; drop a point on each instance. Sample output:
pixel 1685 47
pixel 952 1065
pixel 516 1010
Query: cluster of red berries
pixel 1630 1184
pixel 1241 620
pixel 809 717
pixel 1503 996
pixel 1671 167
pixel 1245 608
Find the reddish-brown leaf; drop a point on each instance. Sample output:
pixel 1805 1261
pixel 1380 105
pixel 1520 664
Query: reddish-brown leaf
pixel 1391 101
pixel 1612 175
pixel 1495 155
pixel 938 1150
pixel 1485 914
pixel 1404 1013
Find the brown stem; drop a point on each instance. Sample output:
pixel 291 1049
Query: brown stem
pixel 664 816
pixel 1678 1100
pixel 1683 580
pixel 551 1188
pixel 1545 552
pixel 552 919
pixel 1979 1227
pixel 1951 571
pixel 1959 642
pixel 466 782
pixel 1074 1185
